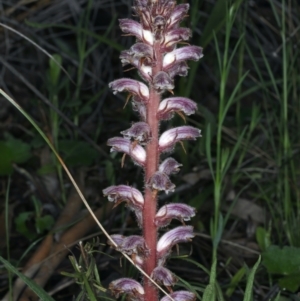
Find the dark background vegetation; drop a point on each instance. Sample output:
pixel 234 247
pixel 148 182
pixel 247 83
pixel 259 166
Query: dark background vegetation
pixel 257 140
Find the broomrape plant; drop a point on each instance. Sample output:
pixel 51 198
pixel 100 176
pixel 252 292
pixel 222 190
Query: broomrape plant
pixel 158 60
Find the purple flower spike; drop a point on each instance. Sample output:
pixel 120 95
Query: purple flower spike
pixel 179 12
pixel 174 36
pixel 130 85
pixel 136 152
pixel 139 131
pixel 168 139
pixel 182 54
pixel 165 214
pixel 160 181
pixel 134 244
pixel 169 166
pixel 163 276
pixel 124 193
pixel 162 81
pixel 180 296
pixel 171 238
pixel 127 286
pixel 175 104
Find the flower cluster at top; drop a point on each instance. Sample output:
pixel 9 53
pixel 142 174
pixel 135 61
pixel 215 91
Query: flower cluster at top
pixel 158 59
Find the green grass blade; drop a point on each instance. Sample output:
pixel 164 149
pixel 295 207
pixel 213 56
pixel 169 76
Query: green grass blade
pixel 249 286
pixel 31 284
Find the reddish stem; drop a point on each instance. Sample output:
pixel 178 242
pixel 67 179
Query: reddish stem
pixel 152 161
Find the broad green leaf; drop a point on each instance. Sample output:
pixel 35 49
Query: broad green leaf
pixel 12 151
pixel 44 223
pixel 21 224
pixel 290 282
pixel 77 152
pixel 31 284
pixel 285 261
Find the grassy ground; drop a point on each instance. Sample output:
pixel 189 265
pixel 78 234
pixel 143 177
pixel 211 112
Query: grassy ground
pixel 242 175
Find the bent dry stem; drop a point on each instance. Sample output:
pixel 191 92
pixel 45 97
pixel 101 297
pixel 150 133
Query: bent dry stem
pixel 158 60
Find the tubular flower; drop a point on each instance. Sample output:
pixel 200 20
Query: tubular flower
pixel 169 106
pixel 136 152
pixel 139 131
pixel 180 296
pixel 163 276
pixel 169 166
pixel 160 181
pixel 165 214
pixel 127 286
pixel 158 58
pixel 123 193
pixel 172 238
pixel 169 138
pixel 132 86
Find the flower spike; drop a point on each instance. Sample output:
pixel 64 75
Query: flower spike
pixel 157 59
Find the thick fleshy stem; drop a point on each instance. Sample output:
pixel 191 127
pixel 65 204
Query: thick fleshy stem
pixel 151 166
